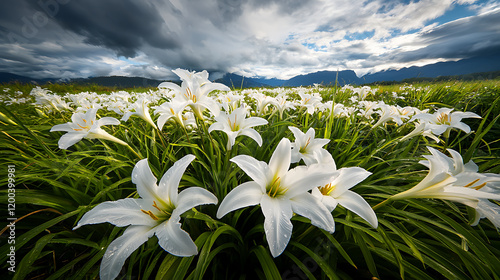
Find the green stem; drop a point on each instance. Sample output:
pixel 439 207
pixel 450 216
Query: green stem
pixel 162 138
pixel 133 151
pixel 382 203
pixel 185 132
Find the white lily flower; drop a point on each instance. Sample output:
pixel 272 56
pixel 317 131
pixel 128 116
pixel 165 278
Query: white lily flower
pixel 236 124
pixel 262 101
pixel 282 103
pixel 307 147
pixel 362 92
pixel 338 109
pixel 310 101
pixel 442 182
pixel 194 90
pixel 85 126
pixel 467 176
pixel 444 120
pixel 168 110
pixel 388 113
pixel 141 109
pixel 367 108
pixel 280 193
pixel 118 106
pixel 337 192
pixel 230 100
pixel 157 212
pixel 420 129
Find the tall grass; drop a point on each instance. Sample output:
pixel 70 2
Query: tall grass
pixel 415 239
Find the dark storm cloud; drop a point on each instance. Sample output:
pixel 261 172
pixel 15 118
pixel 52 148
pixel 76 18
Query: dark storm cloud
pixel 275 38
pixel 231 9
pixel 120 25
pixel 464 38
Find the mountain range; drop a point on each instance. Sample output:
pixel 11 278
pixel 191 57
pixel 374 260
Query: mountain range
pixel 451 68
pixel 440 69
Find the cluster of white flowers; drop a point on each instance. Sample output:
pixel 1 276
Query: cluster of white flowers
pixel 182 104
pixel 312 190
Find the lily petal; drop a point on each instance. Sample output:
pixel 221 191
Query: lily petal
pixel 69 139
pixel 209 87
pixel 304 178
pixel 108 121
pixel 246 194
pixel 310 207
pixel 162 119
pixel 347 178
pixel 145 180
pixel 254 121
pixel 252 133
pixel 277 224
pixel 281 158
pixel 210 104
pixel 192 197
pixel 121 248
pixel 171 86
pixel 257 170
pixel 169 183
pixel 122 212
pixel 357 204
pixel 175 240
pixel 329 202
pixel 62 127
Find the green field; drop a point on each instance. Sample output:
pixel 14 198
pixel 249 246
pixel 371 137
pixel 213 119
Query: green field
pixel 430 233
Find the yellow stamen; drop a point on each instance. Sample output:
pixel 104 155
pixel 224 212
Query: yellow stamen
pixel 149 213
pixel 444 118
pixel 83 127
pixel 303 149
pixel 480 186
pixel 156 206
pixel 471 183
pixel 188 93
pixel 234 124
pixel 276 183
pixel 327 189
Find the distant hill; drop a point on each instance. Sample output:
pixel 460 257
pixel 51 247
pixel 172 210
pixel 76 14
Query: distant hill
pixel 119 81
pixel 321 77
pixel 450 68
pixel 325 78
pixel 9 77
pixel 113 81
pixel 458 69
pixel 237 81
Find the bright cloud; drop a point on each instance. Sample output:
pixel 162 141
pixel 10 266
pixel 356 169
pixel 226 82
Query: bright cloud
pixel 279 38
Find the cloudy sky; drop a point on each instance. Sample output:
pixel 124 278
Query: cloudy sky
pixel 265 38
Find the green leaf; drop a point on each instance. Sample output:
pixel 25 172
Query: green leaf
pixel 361 240
pixel 266 262
pixel 300 264
pixel 325 267
pixel 68 267
pixel 26 264
pixel 338 246
pixel 23 239
pixel 168 267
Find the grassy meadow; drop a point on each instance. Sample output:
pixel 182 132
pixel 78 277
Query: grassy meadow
pixel 414 210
